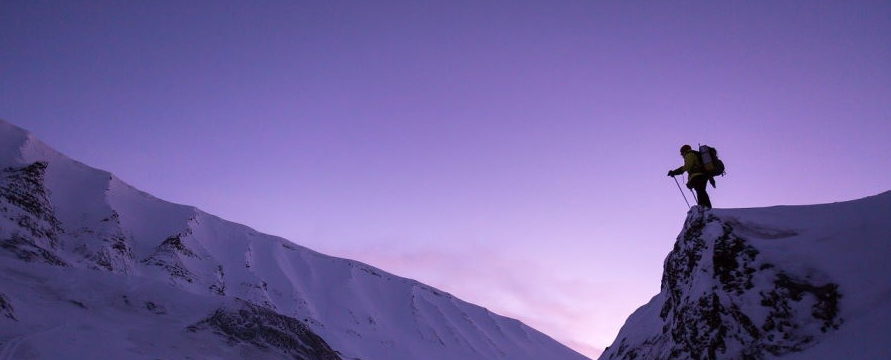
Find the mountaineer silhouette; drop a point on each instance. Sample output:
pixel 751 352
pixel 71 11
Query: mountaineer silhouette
pixel 701 167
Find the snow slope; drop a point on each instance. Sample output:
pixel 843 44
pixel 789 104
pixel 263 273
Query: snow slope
pixel 791 282
pixel 92 266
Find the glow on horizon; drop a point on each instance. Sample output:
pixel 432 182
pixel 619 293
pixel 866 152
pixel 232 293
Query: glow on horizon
pixel 513 154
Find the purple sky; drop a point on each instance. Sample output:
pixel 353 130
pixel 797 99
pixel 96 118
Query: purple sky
pixel 511 152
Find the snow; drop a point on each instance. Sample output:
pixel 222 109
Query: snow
pixel 846 243
pixel 99 315
pixel 127 249
pixel 849 243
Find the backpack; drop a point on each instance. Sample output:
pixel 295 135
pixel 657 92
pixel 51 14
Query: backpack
pixel 711 164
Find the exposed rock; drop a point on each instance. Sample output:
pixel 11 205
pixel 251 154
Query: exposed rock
pixel 24 188
pixel 6 309
pixel 28 250
pixel 169 255
pixel 174 267
pixel 135 257
pixel 114 254
pixel 24 201
pixel 722 301
pixel 246 323
pixel 155 308
pixel 219 287
pixel 174 244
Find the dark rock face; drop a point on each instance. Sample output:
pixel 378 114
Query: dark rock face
pixel 155 308
pixel 106 247
pixel 723 301
pixel 6 310
pixel 24 201
pixel 219 288
pixel 252 324
pixel 174 245
pixel 23 187
pixel 114 255
pixel 170 255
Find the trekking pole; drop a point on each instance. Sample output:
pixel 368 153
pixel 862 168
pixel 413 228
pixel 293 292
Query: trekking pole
pixel 682 191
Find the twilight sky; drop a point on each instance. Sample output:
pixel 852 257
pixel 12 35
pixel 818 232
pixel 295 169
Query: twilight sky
pixel 512 153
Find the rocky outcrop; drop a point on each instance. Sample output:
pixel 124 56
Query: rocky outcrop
pixel 103 246
pixel 246 323
pixel 6 310
pixel 171 255
pixel 116 254
pixel 24 201
pixel 721 299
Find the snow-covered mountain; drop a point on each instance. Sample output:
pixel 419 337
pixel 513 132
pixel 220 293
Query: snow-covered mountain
pixel 790 282
pixel 91 268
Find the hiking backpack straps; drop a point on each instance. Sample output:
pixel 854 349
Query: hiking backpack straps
pixel 711 164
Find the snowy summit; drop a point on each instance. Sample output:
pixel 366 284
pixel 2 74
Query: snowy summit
pixel 786 282
pixel 93 267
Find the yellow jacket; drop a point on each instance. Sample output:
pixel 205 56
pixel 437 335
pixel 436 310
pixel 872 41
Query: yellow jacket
pixel 691 166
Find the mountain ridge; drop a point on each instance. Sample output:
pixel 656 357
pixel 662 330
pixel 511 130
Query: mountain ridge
pixel 84 218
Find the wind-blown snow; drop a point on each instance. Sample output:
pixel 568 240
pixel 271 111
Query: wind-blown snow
pixel 93 266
